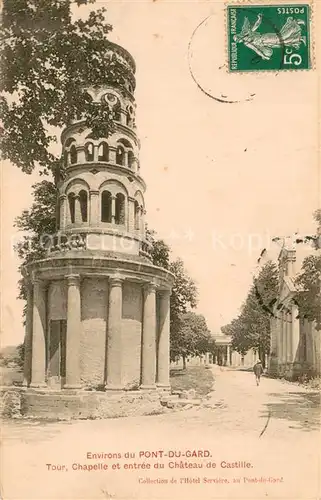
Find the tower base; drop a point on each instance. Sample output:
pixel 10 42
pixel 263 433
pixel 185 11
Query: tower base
pixel 77 404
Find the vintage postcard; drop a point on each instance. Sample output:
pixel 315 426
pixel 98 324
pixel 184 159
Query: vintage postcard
pixel 160 250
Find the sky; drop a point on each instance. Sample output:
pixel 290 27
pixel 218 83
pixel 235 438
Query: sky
pixel 222 178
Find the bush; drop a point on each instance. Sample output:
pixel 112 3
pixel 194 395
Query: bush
pixel 12 356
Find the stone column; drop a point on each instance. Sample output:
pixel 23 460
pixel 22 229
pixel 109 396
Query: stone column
pixel 163 341
pixel 96 148
pixel 112 154
pixel 63 211
pixel 68 212
pixel 114 344
pixel 285 337
pixel 131 214
pixel 38 363
pixel 279 338
pixel 288 338
pixel 284 346
pixel 113 209
pixel 125 158
pixel 223 352
pixel 94 207
pixel 73 332
pixel 228 354
pixel 78 218
pixel 123 117
pixel 141 220
pixel 28 336
pixel 81 154
pixel 134 165
pixel 149 338
pixel 295 331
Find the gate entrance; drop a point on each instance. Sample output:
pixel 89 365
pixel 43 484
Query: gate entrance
pixel 56 371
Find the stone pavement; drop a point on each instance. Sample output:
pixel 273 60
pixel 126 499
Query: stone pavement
pixel 252 443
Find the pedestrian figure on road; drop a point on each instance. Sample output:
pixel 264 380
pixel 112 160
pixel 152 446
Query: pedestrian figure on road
pixel 258 370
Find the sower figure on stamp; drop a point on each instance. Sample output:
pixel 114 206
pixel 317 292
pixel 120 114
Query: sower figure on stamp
pixel 264 43
pixel 258 370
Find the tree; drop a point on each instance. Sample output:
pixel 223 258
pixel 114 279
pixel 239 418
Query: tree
pixel 193 338
pixel 309 289
pixel 251 329
pixel 308 281
pixel 160 250
pixel 184 292
pixel 48 61
pixel 237 330
pixel 36 223
pixel 12 356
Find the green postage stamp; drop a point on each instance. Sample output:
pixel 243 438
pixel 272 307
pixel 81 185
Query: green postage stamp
pixel 268 37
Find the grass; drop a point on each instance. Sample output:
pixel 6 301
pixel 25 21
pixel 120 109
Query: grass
pixel 194 377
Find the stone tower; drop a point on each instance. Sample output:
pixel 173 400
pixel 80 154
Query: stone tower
pixel 97 308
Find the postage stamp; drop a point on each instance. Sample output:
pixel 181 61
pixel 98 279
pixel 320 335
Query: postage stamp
pixel 268 37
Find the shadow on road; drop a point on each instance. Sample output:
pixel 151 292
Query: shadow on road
pixel 301 409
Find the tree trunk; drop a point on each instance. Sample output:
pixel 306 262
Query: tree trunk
pixel 184 362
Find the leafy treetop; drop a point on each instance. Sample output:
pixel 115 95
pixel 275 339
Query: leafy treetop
pixel 47 60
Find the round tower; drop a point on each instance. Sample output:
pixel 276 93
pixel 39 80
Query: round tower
pixel 102 197
pixel 97 308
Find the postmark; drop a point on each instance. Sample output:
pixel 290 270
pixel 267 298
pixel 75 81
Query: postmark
pixel 268 37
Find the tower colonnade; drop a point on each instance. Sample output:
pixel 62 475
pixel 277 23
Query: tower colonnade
pixel 154 360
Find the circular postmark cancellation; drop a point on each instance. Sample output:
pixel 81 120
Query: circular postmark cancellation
pixel 268 37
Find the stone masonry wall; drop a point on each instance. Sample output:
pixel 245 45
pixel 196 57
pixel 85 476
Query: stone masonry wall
pixel 93 332
pixel 57 300
pixel 131 333
pixel 27 403
pixel 94 305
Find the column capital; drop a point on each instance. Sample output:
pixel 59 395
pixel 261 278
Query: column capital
pixel 37 281
pixel 73 279
pixel 165 292
pixel 149 287
pixel 94 192
pixel 62 197
pixel 115 281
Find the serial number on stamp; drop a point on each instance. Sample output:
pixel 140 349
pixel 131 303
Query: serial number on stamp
pixel 268 37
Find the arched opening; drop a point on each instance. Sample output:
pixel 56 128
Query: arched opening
pixel 71 201
pixel 83 200
pixel 69 142
pixel 106 206
pixel 125 143
pixel 130 156
pixel 73 154
pixel 120 156
pixel 120 209
pixel 137 215
pixel 89 151
pixel 103 152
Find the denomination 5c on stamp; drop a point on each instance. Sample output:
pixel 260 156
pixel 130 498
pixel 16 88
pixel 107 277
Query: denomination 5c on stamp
pixel 268 37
